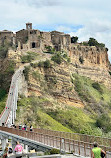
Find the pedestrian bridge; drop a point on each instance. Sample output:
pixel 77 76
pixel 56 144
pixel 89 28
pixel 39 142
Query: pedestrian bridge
pixel 42 140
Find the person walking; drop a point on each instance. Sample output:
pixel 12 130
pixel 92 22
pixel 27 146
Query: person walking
pixel 96 151
pixel 18 150
pixel 31 128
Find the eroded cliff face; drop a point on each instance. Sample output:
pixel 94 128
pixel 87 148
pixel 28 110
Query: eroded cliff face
pixel 91 55
pixel 56 82
pixel 91 62
pixel 87 61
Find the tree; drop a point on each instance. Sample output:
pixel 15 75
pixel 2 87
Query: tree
pixel 74 39
pixel 92 42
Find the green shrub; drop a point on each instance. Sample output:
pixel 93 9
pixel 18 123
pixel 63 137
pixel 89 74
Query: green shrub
pixel 74 39
pixel 110 72
pixel 85 43
pixel 104 122
pixel 3 52
pixel 49 50
pixel 29 57
pixel 47 64
pixel 94 42
pixel 81 59
pixel 97 86
pixel 10 68
pixel 3 96
pixel 57 58
pixel 36 75
pixel 26 72
pixel 41 64
pixel 54 151
pixel 34 65
pixel 4 49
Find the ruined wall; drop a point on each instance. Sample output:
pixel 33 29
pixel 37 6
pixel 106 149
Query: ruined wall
pixel 34 38
pixel 91 55
pixel 6 36
pixel 60 40
pixel 22 37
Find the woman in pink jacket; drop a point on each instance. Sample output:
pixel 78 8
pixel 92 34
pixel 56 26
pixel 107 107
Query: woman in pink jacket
pixel 18 149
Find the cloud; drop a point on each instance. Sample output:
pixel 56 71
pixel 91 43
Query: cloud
pixel 98 30
pixel 39 3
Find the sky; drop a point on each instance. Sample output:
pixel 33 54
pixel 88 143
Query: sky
pixel 82 18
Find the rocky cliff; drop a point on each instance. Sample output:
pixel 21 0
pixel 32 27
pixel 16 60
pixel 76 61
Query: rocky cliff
pixel 92 62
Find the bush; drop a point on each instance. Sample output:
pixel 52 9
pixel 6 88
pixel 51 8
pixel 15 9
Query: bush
pixel 3 52
pixel 57 58
pixel 110 72
pixel 26 72
pixel 2 94
pixel 41 64
pixel 36 75
pixel 97 86
pixel 4 49
pixel 54 151
pixel 74 39
pixel 104 122
pixel 85 43
pixel 47 64
pixel 81 59
pixel 29 57
pixel 49 49
pixel 94 42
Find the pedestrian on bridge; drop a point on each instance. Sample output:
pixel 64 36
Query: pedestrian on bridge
pixel 96 151
pixel 18 149
pixel 31 128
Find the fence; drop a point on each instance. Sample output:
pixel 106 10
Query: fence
pixel 64 144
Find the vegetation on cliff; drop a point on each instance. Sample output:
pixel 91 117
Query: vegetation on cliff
pixel 48 112
pixel 6 72
pixel 56 93
pixel 94 42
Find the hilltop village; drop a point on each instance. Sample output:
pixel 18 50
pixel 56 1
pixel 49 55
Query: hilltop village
pixel 30 39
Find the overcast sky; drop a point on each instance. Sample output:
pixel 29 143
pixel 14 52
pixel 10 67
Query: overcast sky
pixel 82 18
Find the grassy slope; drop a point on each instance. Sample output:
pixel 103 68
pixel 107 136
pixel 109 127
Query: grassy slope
pixel 32 109
pixel 3 97
pixel 98 96
pixel 69 118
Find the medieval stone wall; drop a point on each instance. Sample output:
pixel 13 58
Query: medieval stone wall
pixel 22 36
pixel 90 55
pixel 6 36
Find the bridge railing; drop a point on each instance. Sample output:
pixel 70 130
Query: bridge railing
pixel 76 136
pixel 65 144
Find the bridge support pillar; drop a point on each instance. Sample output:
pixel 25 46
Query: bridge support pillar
pixel 13 142
pixel 26 148
pixel 4 141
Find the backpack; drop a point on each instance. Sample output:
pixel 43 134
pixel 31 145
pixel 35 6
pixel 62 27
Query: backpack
pixel 10 150
pixel 102 155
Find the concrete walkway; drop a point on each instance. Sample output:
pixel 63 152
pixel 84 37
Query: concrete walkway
pixel 59 156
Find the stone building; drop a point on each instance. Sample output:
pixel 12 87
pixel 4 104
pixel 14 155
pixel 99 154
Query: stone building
pixel 7 36
pixel 60 40
pixel 30 39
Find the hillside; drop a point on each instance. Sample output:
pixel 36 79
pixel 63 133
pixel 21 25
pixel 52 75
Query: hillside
pixel 62 90
pixel 60 98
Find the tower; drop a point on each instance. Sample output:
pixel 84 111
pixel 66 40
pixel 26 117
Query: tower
pixel 28 26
